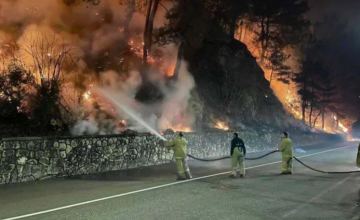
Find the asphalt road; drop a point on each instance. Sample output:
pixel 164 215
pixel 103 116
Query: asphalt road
pixel 152 193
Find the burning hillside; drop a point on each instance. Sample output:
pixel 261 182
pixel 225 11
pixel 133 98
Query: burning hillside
pixel 284 86
pixel 173 72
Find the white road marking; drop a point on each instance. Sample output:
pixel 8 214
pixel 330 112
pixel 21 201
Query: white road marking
pixel 316 197
pixel 160 186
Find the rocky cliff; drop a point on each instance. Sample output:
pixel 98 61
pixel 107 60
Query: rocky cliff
pixel 231 87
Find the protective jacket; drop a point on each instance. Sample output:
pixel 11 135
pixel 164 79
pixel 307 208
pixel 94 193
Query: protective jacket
pixel 286 148
pixel 237 143
pixel 179 147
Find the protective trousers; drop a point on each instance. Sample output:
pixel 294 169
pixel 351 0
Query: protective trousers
pixel 237 162
pixel 287 164
pixel 182 168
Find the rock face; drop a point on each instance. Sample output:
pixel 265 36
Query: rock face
pixel 232 85
pixel 38 158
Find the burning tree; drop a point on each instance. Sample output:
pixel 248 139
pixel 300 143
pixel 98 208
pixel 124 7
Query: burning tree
pixel 34 85
pixel 314 83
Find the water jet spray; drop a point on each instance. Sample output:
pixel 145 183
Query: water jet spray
pixel 129 112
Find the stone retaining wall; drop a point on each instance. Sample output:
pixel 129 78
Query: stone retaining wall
pixel 25 159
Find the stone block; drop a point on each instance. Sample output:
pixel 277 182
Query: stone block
pixel 17 145
pixel 27 178
pixel 21 160
pixel 32 155
pixel 22 153
pixel 37 171
pixel 68 149
pixel 31 145
pixel 62 146
pixel 39 154
pixel 63 154
pixel 54 167
pixel 6 177
pixel 8 153
pixel 54 153
pixel 32 161
pixel 7 168
pixel 43 146
pixel 56 144
pixel 44 161
pixel 74 144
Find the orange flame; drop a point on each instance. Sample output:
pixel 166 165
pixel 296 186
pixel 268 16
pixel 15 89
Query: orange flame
pixel 178 128
pixel 221 125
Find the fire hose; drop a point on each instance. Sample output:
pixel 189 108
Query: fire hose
pixel 274 151
pixel 227 157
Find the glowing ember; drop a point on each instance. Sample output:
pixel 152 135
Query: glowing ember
pixel 87 95
pixel 122 123
pixel 170 72
pixel 222 126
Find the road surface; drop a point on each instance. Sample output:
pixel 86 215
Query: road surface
pixel 152 194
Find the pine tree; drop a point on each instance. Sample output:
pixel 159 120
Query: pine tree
pixel 280 22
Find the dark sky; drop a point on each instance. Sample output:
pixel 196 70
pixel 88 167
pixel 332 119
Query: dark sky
pixel 346 9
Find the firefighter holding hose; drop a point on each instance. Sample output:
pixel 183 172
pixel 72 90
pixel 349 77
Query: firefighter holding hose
pixel 286 149
pixel 237 152
pixel 178 145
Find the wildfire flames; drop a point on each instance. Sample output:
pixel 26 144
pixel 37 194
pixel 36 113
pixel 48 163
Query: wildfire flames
pixel 180 128
pixel 96 52
pixel 221 125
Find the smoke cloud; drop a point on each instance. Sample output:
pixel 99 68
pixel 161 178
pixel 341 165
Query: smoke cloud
pixel 104 58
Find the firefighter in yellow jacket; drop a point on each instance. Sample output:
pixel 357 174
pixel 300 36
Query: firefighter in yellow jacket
pixel 178 145
pixel 286 149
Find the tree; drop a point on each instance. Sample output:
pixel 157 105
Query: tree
pixel 315 84
pixel 279 22
pixel 52 60
pixel 306 79
pixel 228 13
pixel 277 59
pixel 15 86
pixel 149 26
pixel 340 54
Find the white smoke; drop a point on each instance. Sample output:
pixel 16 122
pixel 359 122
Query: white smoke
pixel 95 33
pixel 172 111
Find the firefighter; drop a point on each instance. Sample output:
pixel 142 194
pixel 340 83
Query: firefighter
pixel 286 149
pixel 178 145
pixel 237 152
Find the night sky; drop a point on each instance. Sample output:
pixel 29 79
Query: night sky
pixel 349 11
pixel 346 9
